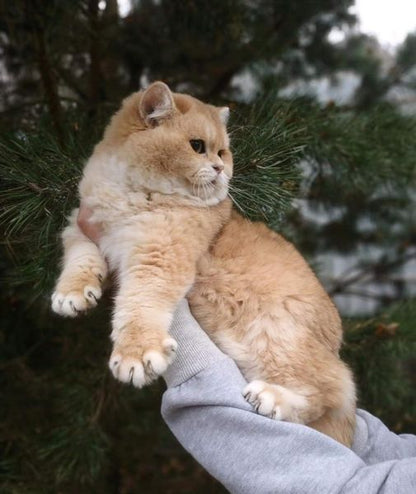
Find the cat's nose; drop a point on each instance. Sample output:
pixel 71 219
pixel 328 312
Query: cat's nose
pixel 218 167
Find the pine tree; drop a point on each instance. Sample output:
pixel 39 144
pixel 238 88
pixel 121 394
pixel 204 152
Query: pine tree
pixel 65 424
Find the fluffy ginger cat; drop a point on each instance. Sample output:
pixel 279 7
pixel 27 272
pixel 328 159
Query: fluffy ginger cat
pixel 157 185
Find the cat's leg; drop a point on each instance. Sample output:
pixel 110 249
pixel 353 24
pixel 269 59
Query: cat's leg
pixel 323 398
pixel 84 269
pixel 278 402
pixel 152 280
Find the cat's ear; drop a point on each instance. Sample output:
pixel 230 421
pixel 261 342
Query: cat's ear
pixel 156 104
pixel 224 114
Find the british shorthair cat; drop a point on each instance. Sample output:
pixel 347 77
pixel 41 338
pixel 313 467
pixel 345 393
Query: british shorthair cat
pixel 157 185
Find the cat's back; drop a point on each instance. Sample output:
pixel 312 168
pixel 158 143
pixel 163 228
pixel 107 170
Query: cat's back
pixel 264 257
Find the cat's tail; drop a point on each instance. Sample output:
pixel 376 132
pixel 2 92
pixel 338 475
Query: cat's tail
pixel 338 420
pixel 337 424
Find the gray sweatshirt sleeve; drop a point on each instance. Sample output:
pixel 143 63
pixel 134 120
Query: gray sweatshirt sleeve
pixel 248 453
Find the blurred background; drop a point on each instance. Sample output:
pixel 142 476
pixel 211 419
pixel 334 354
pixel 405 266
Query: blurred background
pixel 323 128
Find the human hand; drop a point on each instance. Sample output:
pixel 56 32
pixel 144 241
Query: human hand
pixel 91 230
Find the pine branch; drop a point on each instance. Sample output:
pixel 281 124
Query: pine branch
pixel 268 143
pixel 39 187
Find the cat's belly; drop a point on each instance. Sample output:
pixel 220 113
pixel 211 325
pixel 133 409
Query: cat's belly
pixel 258 338
pixel 261 304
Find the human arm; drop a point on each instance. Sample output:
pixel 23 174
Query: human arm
pixel 248 453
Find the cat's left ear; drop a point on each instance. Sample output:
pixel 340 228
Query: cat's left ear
pixel 156 104
pixel 224 114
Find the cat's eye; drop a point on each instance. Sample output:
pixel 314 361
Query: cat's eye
pixel 221 153
pixel 198 145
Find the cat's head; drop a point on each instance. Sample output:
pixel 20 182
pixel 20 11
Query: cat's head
pixel 173 143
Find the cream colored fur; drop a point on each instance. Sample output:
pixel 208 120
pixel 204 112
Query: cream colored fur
pixel 168 232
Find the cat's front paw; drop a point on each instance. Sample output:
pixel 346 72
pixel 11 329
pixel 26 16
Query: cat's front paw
pixel 275 401
pixel 141 358
pixel 78 290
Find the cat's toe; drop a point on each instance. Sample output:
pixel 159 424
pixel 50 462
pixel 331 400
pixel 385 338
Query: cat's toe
pixel 139 365
pixel 127 370
pixel 253 390
pixel 169 348
pixel 92 294
pixel 261 396
pixel 155 363
pixel 78 289
pixel 275 401
pixel 69 305
pixel 100 271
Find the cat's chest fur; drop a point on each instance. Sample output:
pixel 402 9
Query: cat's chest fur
pixel 135 219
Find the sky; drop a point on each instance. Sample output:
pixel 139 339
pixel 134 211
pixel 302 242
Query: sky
pixel 389 20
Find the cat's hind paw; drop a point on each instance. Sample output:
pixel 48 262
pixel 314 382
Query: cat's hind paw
pixel 274 401
pixel 140 364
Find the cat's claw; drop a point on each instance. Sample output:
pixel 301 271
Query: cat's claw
pixel 140 367
pixel 274 401
pixel 72 303
pixel 127 370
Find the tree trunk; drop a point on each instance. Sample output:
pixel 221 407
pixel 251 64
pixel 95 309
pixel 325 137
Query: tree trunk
pixel 49 81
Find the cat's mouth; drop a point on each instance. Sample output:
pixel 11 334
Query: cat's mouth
pixel 208 189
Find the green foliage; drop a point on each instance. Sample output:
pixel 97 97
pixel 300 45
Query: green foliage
pixel 382 353
pixel 266 176
pixel 38 178
pixel 406 56
pixel 362 164
pixel 364 150
pixel 184 43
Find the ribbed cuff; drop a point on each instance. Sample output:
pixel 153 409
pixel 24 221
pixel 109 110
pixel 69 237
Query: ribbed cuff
pixel 195 350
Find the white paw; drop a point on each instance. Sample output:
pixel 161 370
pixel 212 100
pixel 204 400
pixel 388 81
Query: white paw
pixel 72 303
pixel 78 289
pixel 275 401
pixel 138 365
pixel 263 401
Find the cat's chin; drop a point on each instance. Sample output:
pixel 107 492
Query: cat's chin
pixel 213 200
pixel 211 192
pixel 212 197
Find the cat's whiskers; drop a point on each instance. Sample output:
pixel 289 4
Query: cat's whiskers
pixel 194 189
pixel 206 188
pixel 232 189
